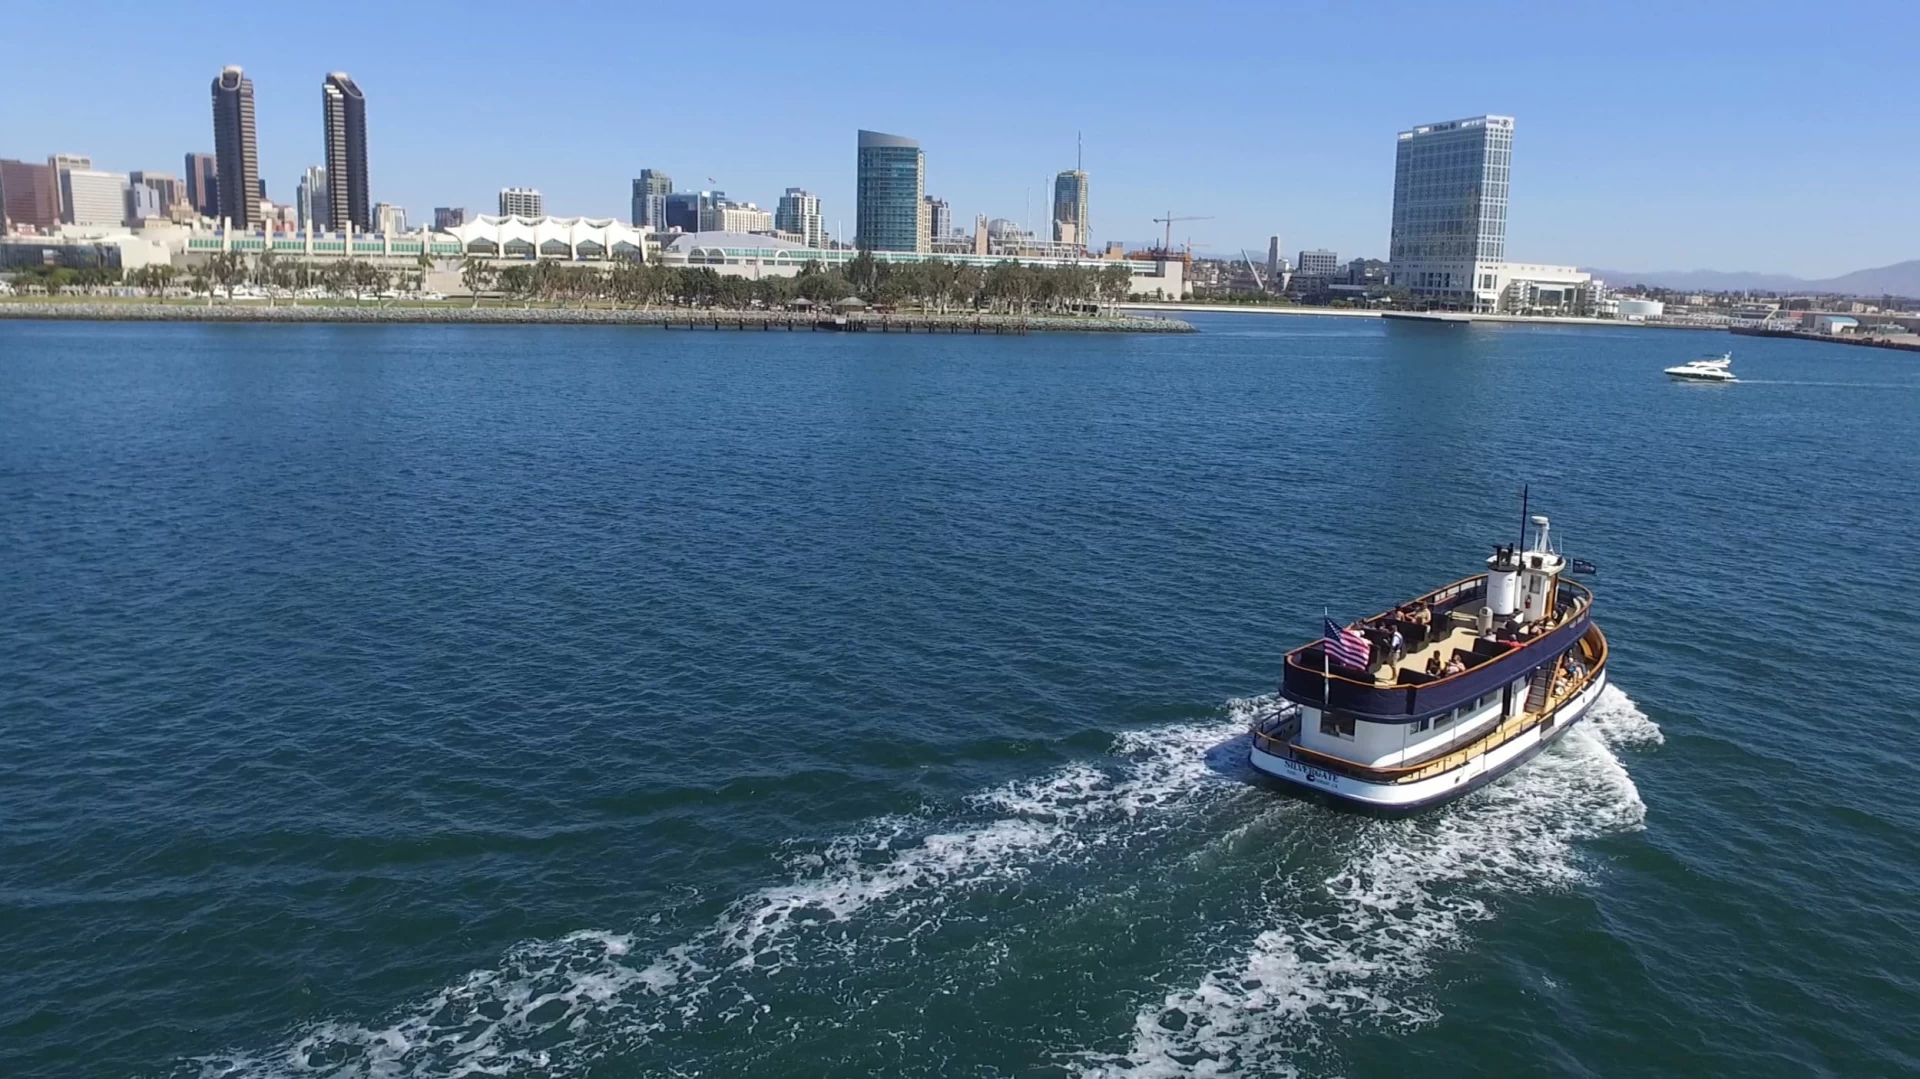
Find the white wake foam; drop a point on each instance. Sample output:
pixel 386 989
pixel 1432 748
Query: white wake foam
pixel 553 1003
pixel 1355 948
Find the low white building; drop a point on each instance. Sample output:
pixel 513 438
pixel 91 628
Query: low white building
pixel 1636 310
pixel 570 238
pixel 1525 288
pixel 1826 323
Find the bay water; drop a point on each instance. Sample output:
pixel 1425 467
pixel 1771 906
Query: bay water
pixel 453 701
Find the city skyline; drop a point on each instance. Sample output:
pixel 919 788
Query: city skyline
pixel 1703 164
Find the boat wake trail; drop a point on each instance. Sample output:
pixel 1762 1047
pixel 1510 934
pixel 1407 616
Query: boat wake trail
pixel 1352 946
pixel 558 1005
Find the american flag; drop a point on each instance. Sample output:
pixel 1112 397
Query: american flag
pixel 1346 646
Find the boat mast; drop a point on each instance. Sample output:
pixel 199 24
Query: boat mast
pixel 1523 517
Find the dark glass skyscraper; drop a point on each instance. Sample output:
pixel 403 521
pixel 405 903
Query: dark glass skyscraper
pixel 233 147
pixel 344 112
pixel 890 210
pixel 203 184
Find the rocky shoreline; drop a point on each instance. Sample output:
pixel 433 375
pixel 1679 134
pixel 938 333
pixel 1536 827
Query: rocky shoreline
pixel 525 316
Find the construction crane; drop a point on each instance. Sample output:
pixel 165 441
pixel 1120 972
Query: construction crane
pixel 1167 244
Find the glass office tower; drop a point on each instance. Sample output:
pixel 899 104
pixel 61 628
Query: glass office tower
pixel 1450 211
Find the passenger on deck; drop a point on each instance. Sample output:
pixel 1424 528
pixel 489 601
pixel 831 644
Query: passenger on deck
pixel 1453 667
pixel 1434 664
pixel 1396 645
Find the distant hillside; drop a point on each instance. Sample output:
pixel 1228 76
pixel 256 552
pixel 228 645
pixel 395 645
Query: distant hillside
pixel 1899 279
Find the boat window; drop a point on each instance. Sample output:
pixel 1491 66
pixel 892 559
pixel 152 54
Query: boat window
pixel 1340 726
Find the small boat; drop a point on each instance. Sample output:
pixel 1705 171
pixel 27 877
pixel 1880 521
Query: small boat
pixel 1706 369
pixel 1518 661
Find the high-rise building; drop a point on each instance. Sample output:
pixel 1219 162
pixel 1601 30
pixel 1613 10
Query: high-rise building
pixel 203 184
pixel 522 202
pixel 890 185
pixel 312 209
pixel 59 163
pixel 939 218
pixel 233 144
pixel 1318 263
pixel 1273 260
pixel 1070 207
pixel 695 211
pixel 142 203
pixel 650 191
pixel 29 195
pixel 448 217
pixel 389 219
pixel 168 189
pixel 740 217
pixel 798 212
pixel 91 197
pixel 344 117
pixel 1450 211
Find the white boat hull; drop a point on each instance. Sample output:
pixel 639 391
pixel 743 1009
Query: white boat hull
pixel 1433 790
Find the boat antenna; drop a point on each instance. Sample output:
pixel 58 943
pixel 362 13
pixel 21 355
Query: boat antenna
pixel 1523 516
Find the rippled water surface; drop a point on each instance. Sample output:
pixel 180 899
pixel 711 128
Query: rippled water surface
pixel 420 701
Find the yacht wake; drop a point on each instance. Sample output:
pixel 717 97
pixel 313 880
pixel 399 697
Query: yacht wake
pixel 560 1004
pixel 1353 947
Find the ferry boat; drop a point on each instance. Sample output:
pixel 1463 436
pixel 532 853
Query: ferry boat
pixel 1483 674
pixel 1707 369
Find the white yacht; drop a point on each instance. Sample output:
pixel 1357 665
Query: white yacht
pixel 1421 704
pixel 1706 369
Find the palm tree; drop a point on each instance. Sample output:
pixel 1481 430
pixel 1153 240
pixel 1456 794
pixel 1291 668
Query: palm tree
pixel 475 273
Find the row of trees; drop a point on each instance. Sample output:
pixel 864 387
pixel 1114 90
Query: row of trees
pixel 229 270
pixel 56 279
pixel 932 285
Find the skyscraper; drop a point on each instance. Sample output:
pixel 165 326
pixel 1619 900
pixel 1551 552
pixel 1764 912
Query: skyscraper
pixel 203 184
pixel 28 195
pixel 448 217
pixel 798 212
pixel 521 202
pixel 312 208
pixel 939 218
pixel 1070 207
pixel 344 114
pixel 1450 211
pixel 59 163
pixel 890 184
pixel 233 145
pixel 1273 260
pixel 650 193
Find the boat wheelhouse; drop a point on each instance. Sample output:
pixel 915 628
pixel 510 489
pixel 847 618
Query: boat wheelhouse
pixel 1442 695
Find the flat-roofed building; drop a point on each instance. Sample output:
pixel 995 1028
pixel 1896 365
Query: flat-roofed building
pixel 203 184
pixel 1319 262
pixel 798 212
pixel 650 191
pixel 92 197
pixel 29 197
pixel 522 202
pixel 1450 211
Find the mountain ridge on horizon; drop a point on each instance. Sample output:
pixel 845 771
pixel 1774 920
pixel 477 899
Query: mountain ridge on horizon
pixel 1898 279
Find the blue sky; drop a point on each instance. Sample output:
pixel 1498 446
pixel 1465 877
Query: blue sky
pixel 1675 135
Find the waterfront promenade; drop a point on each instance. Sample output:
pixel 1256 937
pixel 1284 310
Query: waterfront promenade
pixel 669 318
pixel 1409 316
